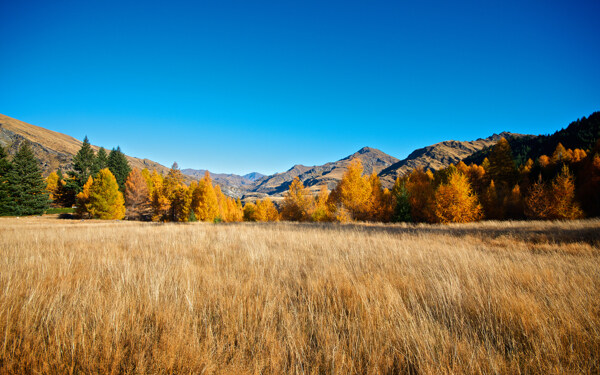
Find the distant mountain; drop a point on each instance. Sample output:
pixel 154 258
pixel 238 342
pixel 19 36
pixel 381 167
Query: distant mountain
pixel 438 156
pixel 582 134
pixel 327 174
pixel 54 150
pixel 232 184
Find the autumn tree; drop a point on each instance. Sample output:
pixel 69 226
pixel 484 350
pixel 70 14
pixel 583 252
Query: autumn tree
pixel 265 211
pixel 204 200
pixel 137 198
pixel 27 193
pixel 249 212
pixel 83 199
pixel 180 199
pixel 106 201
pixel 455 202
pixel 514 205
pixel 297 202
pixel 563 204
pixel 159 201
pixel 53 188
pixel 321 211
pixel 354 191
pixel 492 202
pixel 537 202
pixel 589 187
pixel 419 186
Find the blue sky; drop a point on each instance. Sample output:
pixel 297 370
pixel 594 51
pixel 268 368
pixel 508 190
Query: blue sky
pixel 240 86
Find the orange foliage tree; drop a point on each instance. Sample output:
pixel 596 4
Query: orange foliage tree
pixel 563 205
pixel 455 201
pixel 353 193
pixel 204 200
pixel 137 198
pixel 419 186
pixel 297 202
pixel 83 199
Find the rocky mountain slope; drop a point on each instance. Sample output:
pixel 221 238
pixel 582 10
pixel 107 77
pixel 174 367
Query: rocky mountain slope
pixel 439 155
pixel 54 150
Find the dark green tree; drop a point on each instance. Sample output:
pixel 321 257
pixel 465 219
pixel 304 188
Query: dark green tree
pixel 119 166
pixel 100 162
pixel 402 208
pixel 26 187
pixel 502 168
pixel 5 167
pixel 83 166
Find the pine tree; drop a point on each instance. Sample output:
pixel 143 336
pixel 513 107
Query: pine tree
pixel 100 161
pixel 297 202
pixel 455 201
pixel 137 198
pixel 83 166
pixel 106 201
pixel 5 167
pixel 502 167
pixel 26 188
pixel 402 203
pixel 119 166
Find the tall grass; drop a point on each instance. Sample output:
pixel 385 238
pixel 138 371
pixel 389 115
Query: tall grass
pixel 100 297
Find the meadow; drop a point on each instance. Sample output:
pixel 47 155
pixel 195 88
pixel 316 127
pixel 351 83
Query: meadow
pixel 292 298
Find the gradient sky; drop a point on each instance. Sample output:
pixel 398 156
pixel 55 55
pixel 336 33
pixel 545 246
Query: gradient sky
pixel 241 86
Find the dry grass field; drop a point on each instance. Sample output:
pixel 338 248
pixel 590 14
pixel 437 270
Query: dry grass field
pixel 126 297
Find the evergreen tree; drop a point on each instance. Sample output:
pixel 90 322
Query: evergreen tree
pixel 26 187
pixel 501 165
pixel 402 207
pixel 119 167
pixel 5 167
pixel 100 162
pixel 83 166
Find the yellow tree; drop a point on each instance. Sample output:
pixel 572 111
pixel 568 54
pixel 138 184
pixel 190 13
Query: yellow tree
pixel 137 198
pixel 83 199
pixel 537 203
pixel 53 186
pixel 562 199
pixel 204 200
pixel 321 211
pixel 106 201
pixel 160 202
pixel 419 186
pixel 297 202
pixel 455 201
pixel 265 211
pixel 181 199
pixel 355 191
pixel 249 212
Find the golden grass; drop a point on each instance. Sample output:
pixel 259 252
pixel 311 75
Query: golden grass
pixel 123 297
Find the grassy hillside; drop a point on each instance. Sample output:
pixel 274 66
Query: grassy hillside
pixel 582 134
pixel 106 297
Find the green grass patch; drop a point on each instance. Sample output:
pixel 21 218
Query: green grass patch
pixel 60 210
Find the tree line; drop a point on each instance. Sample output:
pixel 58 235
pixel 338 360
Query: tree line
pixel 563 185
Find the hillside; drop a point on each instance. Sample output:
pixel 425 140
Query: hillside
pixel 327 174
pixel 54 150
pixel 233 185
pixel 438 155
pixel 582 134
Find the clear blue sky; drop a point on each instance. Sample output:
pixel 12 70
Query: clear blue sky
pixel 239 86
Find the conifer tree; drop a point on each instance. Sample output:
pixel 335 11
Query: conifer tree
pixel 119 166
pixel 106 201
pixel 502 167
pixel 355 191
pixel 137 198
pixel 402 203
pixel 537 203
pixel 455 201
pixel 5 167
pixel 83 166
pixel 100 161
pixel 27 193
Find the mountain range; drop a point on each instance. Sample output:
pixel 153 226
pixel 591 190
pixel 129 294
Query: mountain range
pixel 56 150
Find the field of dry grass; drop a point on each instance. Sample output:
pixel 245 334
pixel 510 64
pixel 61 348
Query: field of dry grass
pixel 124 297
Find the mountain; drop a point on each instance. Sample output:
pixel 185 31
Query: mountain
pixel 439 155
pixel 232 184
pixel 582 134
pixel 54 150
pixel 327 174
